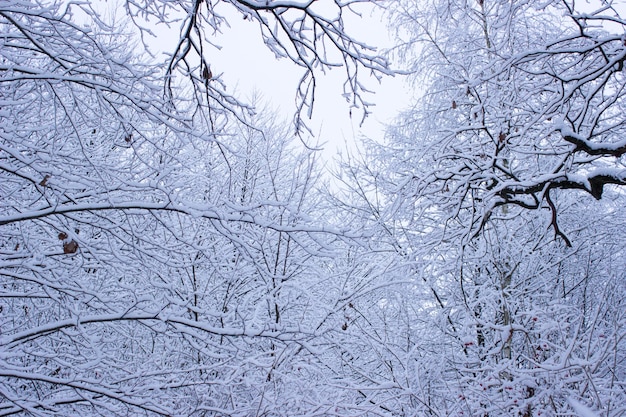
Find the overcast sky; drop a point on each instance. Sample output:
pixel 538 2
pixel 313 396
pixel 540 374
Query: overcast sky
pixel 247 66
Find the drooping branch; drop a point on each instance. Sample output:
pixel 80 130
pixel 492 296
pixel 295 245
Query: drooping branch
pixel 210 213
pixel 597 149
pixel 593 183
pixel 554 222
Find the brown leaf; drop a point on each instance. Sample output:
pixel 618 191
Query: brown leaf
pixel 453 104
pixel 62 236
pixel 206 74
pixel 44 181
pixel 70 247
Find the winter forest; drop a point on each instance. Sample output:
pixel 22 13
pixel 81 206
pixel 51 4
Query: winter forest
pixel 169 248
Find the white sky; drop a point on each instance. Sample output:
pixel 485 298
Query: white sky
pixel 247 66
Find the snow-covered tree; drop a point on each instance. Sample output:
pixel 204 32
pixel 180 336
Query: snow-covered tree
pixel 483 189
pixel 519 100
pixel 158 254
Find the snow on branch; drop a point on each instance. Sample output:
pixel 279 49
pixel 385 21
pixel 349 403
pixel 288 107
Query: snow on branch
pixel 313 35
pixel 593 183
